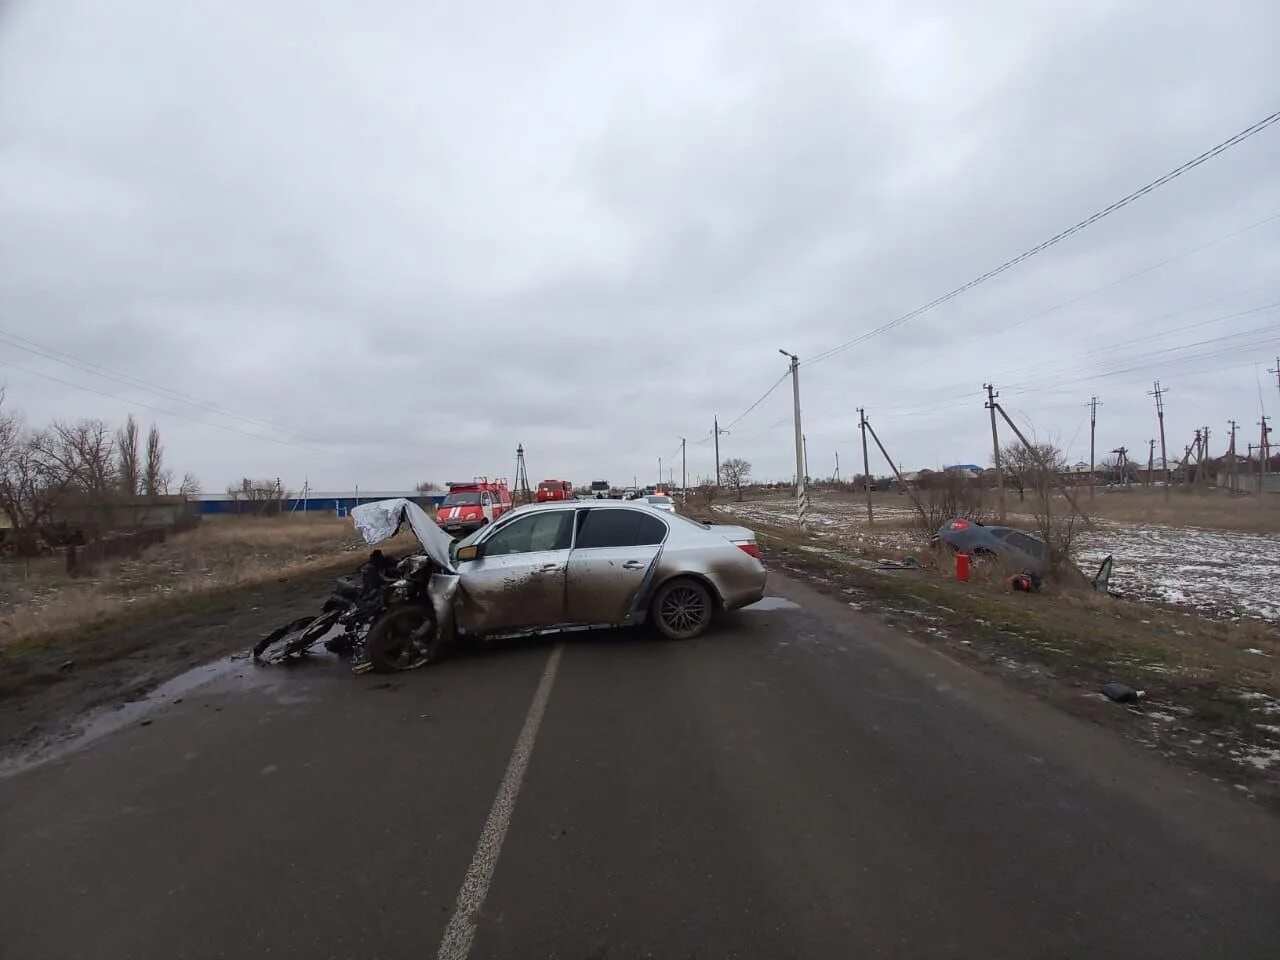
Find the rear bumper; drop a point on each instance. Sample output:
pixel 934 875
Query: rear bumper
pixel 745 595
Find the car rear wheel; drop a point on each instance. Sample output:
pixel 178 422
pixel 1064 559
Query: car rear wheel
pixel 682 609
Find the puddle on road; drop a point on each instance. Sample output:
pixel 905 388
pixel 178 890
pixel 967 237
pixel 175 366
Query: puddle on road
pixel 230 674
pixel 773 603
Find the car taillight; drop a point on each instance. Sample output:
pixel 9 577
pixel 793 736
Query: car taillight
pixel 748 547
pixel 959 525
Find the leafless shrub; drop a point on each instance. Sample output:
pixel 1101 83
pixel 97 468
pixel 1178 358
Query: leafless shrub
pixel 941 496
pixel 258 498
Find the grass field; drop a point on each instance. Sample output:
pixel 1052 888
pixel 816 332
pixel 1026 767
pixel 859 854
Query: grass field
pixel 38 600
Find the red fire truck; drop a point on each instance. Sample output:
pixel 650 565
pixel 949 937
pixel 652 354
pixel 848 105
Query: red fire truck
pixel 549 490
pixel 473 504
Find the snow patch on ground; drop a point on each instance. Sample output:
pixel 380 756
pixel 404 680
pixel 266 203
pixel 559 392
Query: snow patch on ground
pixel 1217 572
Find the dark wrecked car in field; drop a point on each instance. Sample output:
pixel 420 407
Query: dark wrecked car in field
pixel 1014 550
pixel 542 568
pixel 1011 547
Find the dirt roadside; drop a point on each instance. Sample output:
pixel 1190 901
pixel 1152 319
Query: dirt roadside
pixel 43 688
pixel 1226 733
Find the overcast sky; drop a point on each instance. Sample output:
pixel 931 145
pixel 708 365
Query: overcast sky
pixel 412 235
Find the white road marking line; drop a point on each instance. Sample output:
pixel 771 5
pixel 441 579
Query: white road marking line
pixel 456 943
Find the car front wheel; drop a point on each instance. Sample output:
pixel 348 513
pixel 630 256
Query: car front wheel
pixel 682 609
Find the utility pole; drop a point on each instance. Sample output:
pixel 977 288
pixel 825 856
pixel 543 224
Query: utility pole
pixel 1250 461
pixel 1122 460
pixel 1151 459
pixel 1264 448
pixel 897 471
pixel 659 471
pixel 1040 461
pixel 684 474
pixel 802 497
pixel 995 447
pixel 1195 445
pixel 837 468
pixel 1093 429
pixel 716 429
pixel 866 468
pixel 1159 393
pixel 1231 458
pixel 1204 456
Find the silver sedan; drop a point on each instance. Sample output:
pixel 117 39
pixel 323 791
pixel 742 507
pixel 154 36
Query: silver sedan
pixel 569 565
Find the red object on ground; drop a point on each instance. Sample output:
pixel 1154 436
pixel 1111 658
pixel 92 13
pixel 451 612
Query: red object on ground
pixel 962 567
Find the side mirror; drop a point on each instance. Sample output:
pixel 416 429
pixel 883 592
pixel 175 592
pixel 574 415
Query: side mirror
pixel 470 552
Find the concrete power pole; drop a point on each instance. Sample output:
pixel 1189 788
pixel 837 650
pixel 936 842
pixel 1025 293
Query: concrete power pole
pixel 995 447
pixel 1159 393
pixel 1204 455
pixel 866 467
pixel 1093 405
pixel 802 497
pixel 1196 446
pixel 716 429
pixel 684 475
pixel 1151 459
pixel 1231 457
pixel 1264 450
pixel 837 468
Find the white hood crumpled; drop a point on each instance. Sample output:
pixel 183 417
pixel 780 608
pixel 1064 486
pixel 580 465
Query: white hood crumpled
pixel 380 520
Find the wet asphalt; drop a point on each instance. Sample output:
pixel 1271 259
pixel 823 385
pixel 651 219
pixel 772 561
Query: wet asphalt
pixel 802 782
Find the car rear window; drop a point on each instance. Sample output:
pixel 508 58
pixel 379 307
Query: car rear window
pixel 619 528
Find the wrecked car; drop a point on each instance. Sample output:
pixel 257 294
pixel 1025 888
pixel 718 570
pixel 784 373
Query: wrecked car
pixel 553 567
pixel 1013 548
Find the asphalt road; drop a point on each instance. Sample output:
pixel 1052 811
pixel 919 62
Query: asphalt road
pixel 801 783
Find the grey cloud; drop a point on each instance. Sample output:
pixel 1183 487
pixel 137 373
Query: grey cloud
pixel 430 233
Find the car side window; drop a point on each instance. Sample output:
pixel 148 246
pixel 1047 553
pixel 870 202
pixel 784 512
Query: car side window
pixel 484 498
pixel 1029 545
pixel 536 532
pixel 651 530
pixel 618 528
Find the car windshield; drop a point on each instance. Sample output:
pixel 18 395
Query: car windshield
pixel 469 499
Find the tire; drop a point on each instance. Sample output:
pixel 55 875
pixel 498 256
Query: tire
pixel 392 644
pixel 682 609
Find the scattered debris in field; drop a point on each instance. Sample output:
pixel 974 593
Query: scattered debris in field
pixel 1122 693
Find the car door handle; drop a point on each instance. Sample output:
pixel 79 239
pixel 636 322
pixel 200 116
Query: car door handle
pixel 549 567
pixel 633 565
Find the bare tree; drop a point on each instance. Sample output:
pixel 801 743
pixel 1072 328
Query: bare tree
pixel 190 485
pixel 1023 469
pixel 943 495
pixel 85 452
pixel 31 482
pixel 258 497
pixel 154 467
pixel 428 486
pixel 128 466
pixel 734 473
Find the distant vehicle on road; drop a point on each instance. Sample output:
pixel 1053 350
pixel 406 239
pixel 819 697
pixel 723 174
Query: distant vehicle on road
pixel 556 566
pixel 658 502
pixel 1013 548
pixel 551 490
pixel 473 504
pixel 600 489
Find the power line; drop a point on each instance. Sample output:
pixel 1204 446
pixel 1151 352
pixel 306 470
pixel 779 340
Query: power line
pixel 1056 238
pixel 148 406
pixel 125 379
pixel 763 397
